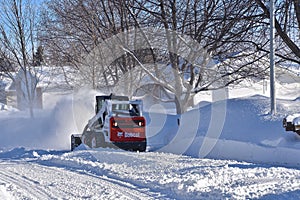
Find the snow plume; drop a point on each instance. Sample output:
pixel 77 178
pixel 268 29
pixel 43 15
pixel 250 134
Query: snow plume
pixel 70 115
pixel 51 128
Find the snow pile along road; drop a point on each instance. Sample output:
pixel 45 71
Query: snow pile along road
pixel 112 174
pixel 247 127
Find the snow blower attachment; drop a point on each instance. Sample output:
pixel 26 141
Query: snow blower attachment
pixel 292 123
pixel 118 123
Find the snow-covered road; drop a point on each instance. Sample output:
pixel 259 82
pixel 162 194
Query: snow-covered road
pixel 111 174
pixel 32 181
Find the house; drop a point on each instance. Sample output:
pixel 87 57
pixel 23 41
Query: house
pixel 17 91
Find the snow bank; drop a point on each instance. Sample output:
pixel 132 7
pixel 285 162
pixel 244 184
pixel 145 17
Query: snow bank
pixel 247 133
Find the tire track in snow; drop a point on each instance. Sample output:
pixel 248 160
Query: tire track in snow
pixel 21 187
pixel 34 181
pixel 130 191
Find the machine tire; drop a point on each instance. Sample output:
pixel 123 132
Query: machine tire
pixel 142 147
pixel 97 140
pixel 100 140
pixel 88 137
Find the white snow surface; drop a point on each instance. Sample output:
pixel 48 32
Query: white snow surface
pixel 229 149
pixel 112 174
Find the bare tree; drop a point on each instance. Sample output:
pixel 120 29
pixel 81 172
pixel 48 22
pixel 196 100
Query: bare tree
pixel 220 30
pixel 18 39
pixel 73 30
pixel 287 25
pixel 196 33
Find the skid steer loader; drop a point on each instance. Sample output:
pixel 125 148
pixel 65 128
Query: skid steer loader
pixel 118 123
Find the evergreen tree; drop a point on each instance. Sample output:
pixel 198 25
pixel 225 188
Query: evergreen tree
pixel 38 57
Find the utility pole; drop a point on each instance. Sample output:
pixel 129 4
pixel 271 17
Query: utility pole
pixel 272 59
